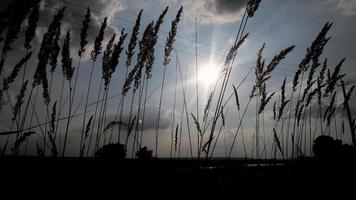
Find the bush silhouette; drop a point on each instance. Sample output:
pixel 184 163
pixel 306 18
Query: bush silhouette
pixel 144 154
pixel 111 151
pixel 325 147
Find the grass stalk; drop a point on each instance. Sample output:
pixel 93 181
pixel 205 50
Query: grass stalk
pixel 185 107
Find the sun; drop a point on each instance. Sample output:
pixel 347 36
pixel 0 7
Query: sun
pixel 208 74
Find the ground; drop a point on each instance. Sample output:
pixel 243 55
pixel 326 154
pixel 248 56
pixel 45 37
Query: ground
pixel 178 176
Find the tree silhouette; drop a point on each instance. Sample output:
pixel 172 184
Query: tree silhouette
pixel 327 148
pixel 144 154
pixel 111 151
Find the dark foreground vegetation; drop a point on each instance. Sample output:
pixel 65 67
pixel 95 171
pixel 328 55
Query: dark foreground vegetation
pixel 317 87
pixel 329 171
pixel 172 175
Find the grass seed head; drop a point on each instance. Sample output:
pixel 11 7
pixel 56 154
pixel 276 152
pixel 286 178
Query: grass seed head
pixel 98 41
pixel 252 6
pixel 68 70
pixel 171 37
pixel 32 23
pixel 133 40
pixel 84 32
pixel 19 101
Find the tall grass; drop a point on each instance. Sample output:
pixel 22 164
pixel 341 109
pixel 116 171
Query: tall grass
pixel 347 95
pixel 196 82
pixel 134 76
pixel 250 9
pixel 108 71
pixel 10 79
pixel 16 110
pixel 31 31
pixel 44 54
pixel 174 130
pixel 150 62
pixel 51 132
pixel 227 63
pixel 185 110
pixel 263 73
pixel 81 51
pixel 68 71
pixel 314 84
pixel 129 53
pixel 167 58
pixel 313 54
pixel 94 55
pixel 17 12
pixel 105 70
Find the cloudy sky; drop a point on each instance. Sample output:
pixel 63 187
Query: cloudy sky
pixel 278 23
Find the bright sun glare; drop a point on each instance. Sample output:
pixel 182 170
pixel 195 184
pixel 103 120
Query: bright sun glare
pixel 208 75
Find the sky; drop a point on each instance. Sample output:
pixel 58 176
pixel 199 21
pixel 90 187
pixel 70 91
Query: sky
pixel 278 23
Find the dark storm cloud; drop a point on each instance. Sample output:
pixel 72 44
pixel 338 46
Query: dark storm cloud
pixel 225 6
pixel 150 117
pixel 73 17
pixel 76 9
pixel 215 11
pixel 4 4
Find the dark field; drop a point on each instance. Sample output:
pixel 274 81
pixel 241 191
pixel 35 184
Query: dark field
pixel 177 177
